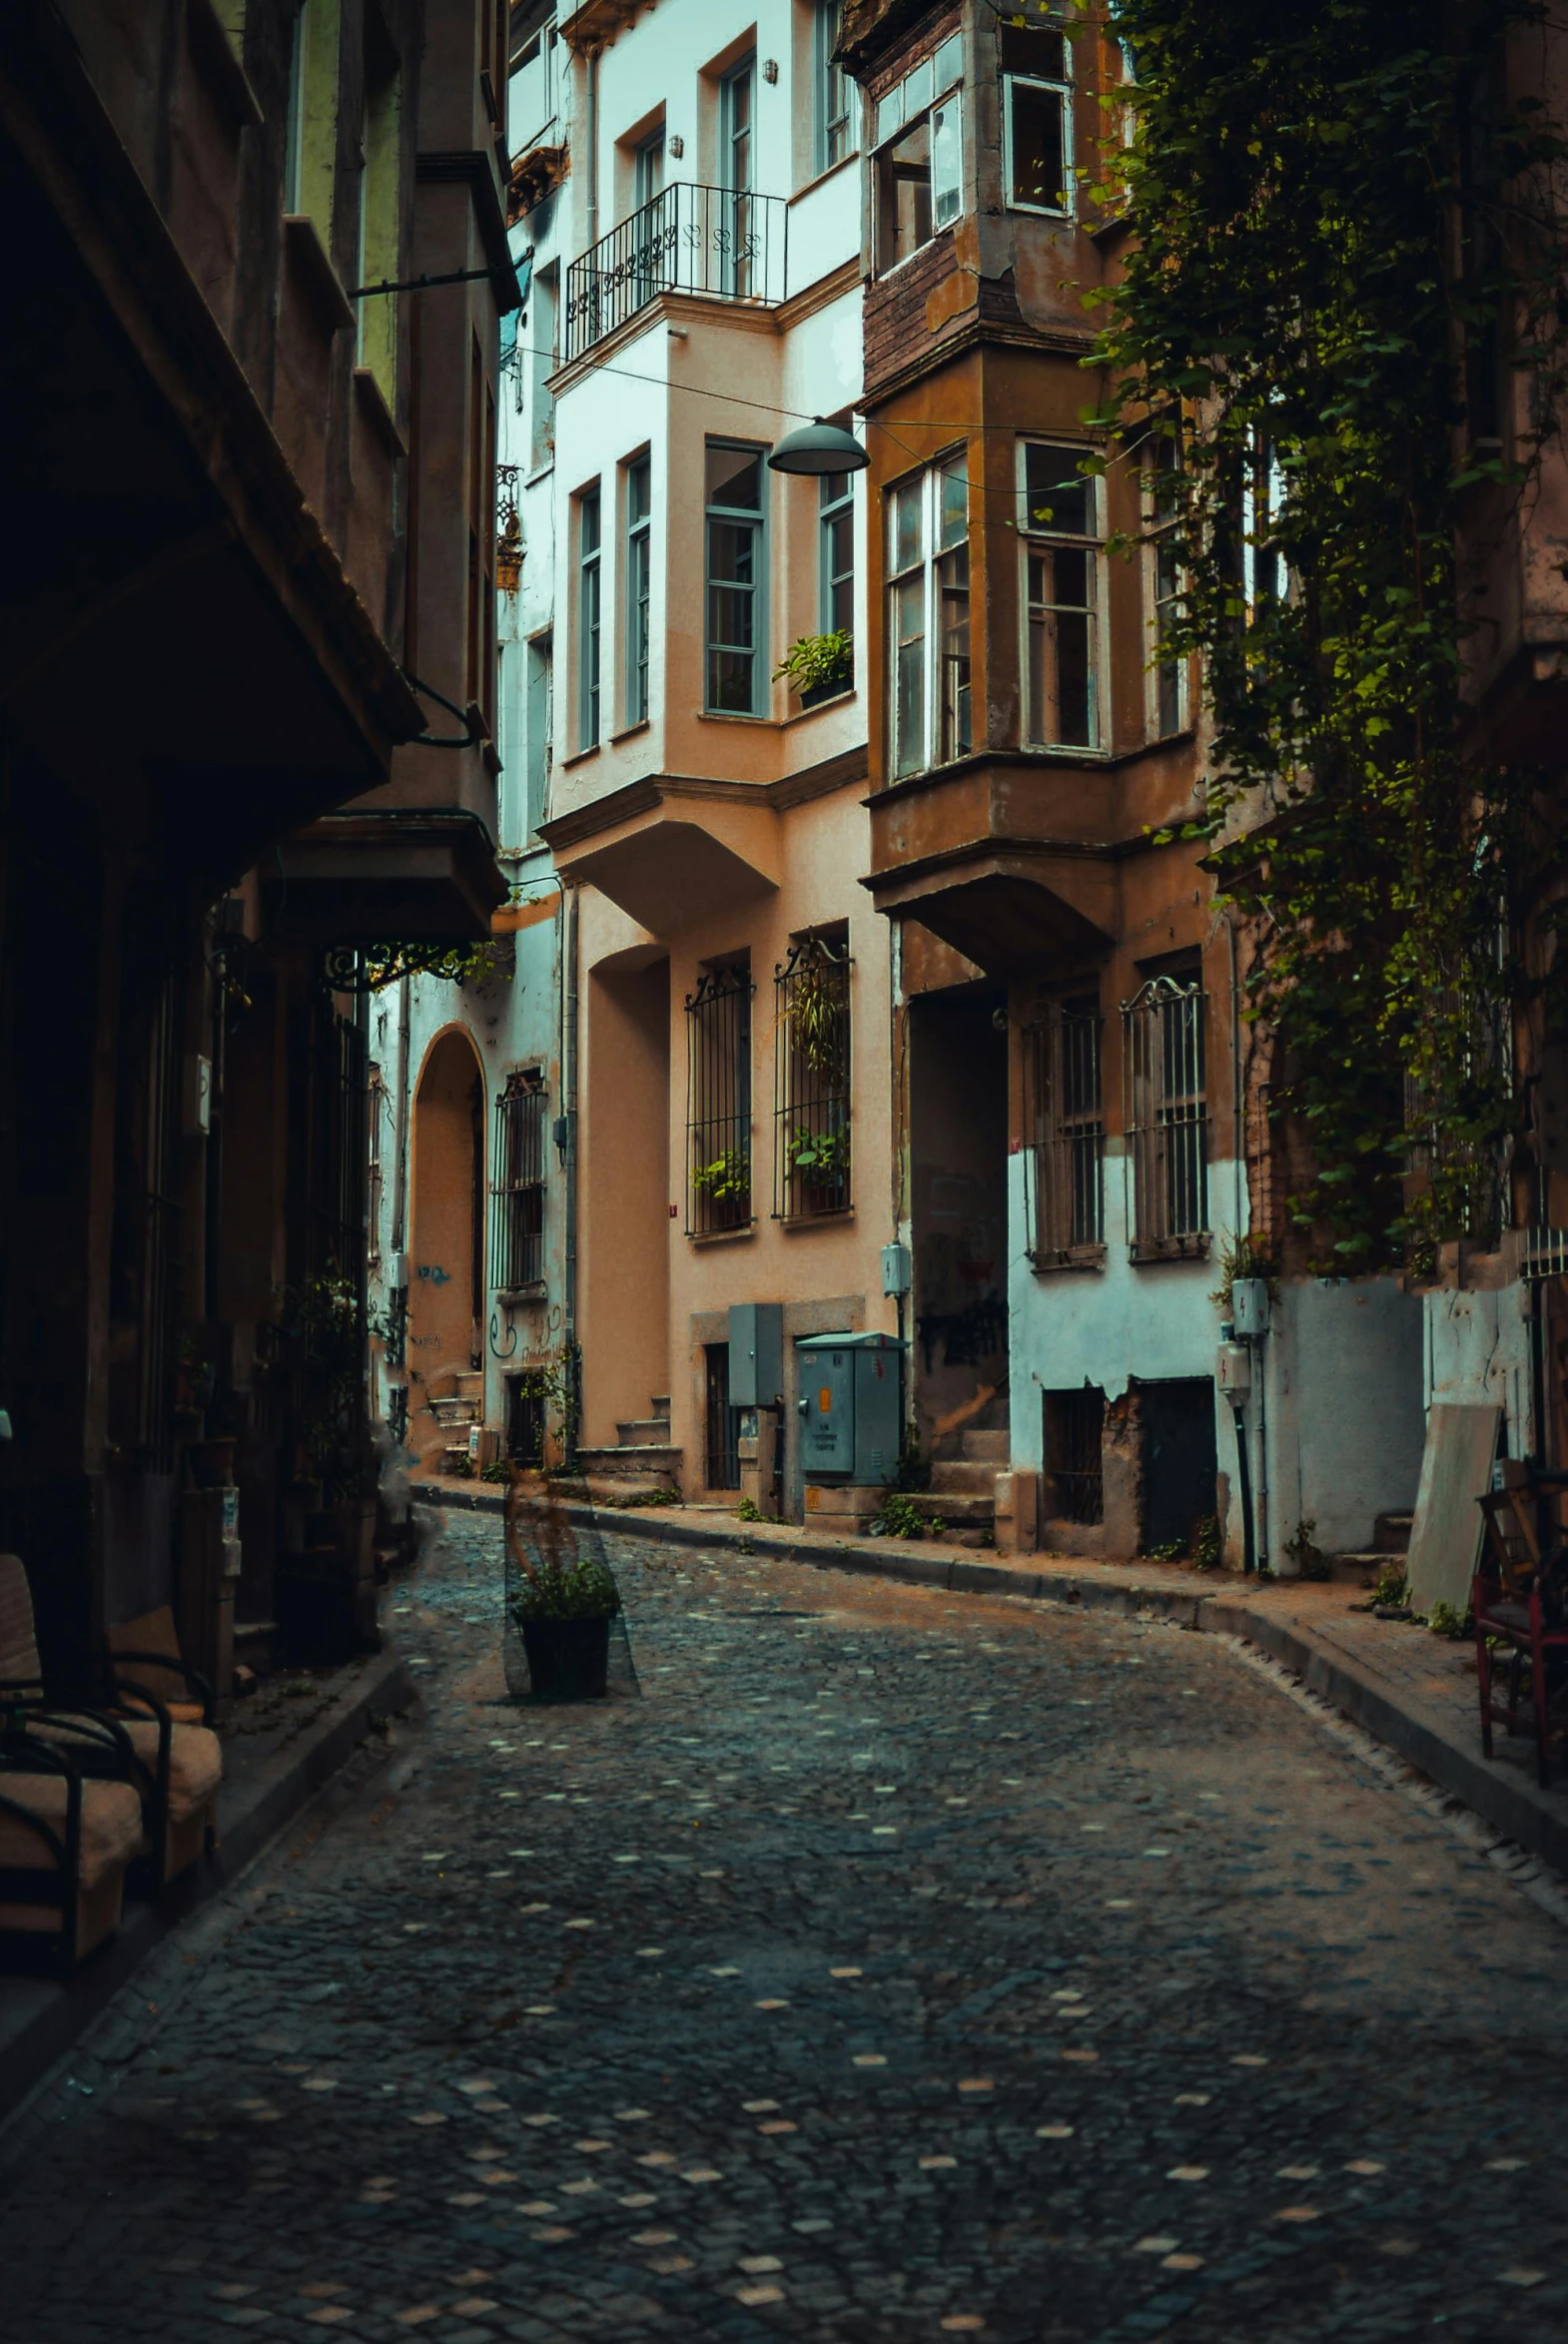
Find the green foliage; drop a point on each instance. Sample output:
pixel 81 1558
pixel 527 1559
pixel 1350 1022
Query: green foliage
pixel 1303 1548
pixel 749 1511
pixel 898 1516
pixel 1243 1257
pixel 1332 208
pixel 1445 1619
pixel 913 1470
pixel 569 1591
pixel 727 1178
pixel 1392 1587
pixel 823 1153
pixel 820 662
pixel 1209 1547
pixel 465 964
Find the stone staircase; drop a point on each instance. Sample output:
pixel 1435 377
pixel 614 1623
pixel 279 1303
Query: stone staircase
pixel 455 1411
pixel 963 1492
pixel 1363 1568
pixel 642 1462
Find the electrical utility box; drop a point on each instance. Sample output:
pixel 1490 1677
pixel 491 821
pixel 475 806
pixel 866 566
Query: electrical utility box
pixel 849 1407
pixel 1233 1371
pixel 1249 1307
pixel 756 1354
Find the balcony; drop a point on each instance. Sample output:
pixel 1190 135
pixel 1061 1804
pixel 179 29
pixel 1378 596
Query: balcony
pixel 709 242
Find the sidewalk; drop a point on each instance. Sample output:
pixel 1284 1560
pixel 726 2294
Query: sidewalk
pixel 279 1748
pixel 1410 1689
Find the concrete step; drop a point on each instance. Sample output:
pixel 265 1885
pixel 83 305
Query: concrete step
pixel 1391 1534
pixel 643 1433
pixel 450 1408
pixel 957 1508
pixel 659 1404
pixel 992 1447
pixel 655 1460
pixel 970 1476
pixel 470 1382
pixel 621 1489
pixel 1362 1569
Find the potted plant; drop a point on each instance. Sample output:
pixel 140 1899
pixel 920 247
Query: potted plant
pixel 820 667
pixel 563 1609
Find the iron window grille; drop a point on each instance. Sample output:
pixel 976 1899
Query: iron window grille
pixel 517 1186
pixel 1167 1117
pixel 1063 562
pixel 811 1080
pixel 1064 1142
pixel 1074 1439
pixel 718 1101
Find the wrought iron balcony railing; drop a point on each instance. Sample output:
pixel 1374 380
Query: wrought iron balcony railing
pixel 710 241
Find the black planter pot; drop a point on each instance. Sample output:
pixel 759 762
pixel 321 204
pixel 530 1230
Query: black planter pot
pixel 569 1660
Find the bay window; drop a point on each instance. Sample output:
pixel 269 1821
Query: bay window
pixel 1037 118
pixel 920 154
pixel 927 617
pixel 1063 556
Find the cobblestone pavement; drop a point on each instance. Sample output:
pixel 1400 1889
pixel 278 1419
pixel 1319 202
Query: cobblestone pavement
pixel 898 1965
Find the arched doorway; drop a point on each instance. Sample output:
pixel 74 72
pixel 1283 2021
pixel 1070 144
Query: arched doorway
pixel 447 1257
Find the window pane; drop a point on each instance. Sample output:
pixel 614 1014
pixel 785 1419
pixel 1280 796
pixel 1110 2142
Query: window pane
pixel 732 551
pixel 840 613
pixel 1032 50
pixel 1057 496
pixel 909 675
pixel 637 485
pixel 906 534
pixel 952 591
pixel 731 616
pixel 1035 120
pixel 904 196
pixel 917 90
pixel 948 63
pixel 833 488
pixel 1063 699
pixel 730 683
pixel 953 511
pixel 947 162
pixel 735 478
pixel 588 522
pixel 890 113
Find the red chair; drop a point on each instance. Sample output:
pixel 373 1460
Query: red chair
pixel 1517 1598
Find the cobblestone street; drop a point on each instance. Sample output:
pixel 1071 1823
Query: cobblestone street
pixel 898 1965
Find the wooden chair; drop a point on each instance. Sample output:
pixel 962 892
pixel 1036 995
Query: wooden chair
pixel 178 1761
pixel 1516 1599
pixel 67 1842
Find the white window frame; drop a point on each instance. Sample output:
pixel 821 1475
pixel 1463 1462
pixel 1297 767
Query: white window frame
pixel 734 516
pixel 1035 535
pixel 933 88
pixel 637 536
pixel 1155 530
pixel 935 751
pixel 827 82
pixel 590 629
pixel 1058 89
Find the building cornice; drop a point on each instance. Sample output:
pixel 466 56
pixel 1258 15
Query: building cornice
pixel 651 791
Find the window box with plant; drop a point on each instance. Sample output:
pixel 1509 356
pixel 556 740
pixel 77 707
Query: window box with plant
pixel 819 667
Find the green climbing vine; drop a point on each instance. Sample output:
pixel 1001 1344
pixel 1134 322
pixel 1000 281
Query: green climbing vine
pixel 1333 206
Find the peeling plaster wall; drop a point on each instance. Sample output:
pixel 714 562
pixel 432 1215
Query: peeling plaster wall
pixel 1477 1349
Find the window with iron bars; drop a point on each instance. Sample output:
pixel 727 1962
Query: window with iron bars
pixel 517 1186
pixel 1167 1117
pixel 1065 1134
pixel 810 1075
pixel 376 1109
pixel 1075 1436
pixel 718 1101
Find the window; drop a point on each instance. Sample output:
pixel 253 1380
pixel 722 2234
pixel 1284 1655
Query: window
pixel 517 1219
pixel 834 121
pixel 647 170
pixel 311 130
pixel 1060 534
pixel 718 1101
pixel 1036 119
pixel 836 582
pixel 1264 578
pixel 920 154
pixel 545 337
pixel 639 581
pixel 1167 692
pixel 588 610
pixel 294 129
pixel 735 178
pixel 1065 1132
pixel 1166 1115
pixel 927 617
pixel 380 209
pixel 376 1110
pixel 1074 1438
pixel 811 1080
pixel 533 94
pixel 540 719
pixel 736 669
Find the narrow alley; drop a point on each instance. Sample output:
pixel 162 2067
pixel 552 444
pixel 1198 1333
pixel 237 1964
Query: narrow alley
pixel 891 1964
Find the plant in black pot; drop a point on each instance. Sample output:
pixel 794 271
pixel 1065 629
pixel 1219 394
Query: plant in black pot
pixel 562 1594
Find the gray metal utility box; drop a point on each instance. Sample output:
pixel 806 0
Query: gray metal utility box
pixel 849 1407
pixel 756 1354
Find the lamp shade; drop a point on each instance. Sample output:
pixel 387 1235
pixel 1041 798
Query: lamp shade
pixel 819 447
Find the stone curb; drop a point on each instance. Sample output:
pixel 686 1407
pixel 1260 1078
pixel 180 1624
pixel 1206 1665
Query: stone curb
pixel 40 2018
pixel 1511 1803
